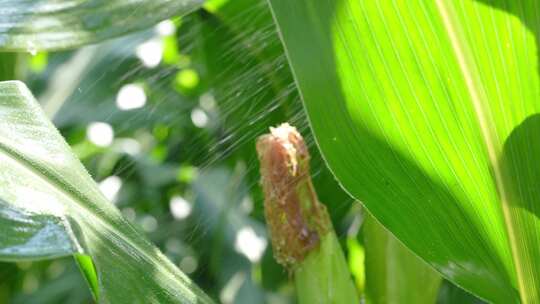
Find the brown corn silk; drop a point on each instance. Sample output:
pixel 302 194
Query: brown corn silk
pixel 295 217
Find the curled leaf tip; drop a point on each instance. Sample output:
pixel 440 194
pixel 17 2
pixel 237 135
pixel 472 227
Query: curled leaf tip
pixel 295 218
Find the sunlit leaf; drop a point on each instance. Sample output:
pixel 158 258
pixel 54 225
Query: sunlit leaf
pixel 51 207
pixel 32 25
pixel 427 112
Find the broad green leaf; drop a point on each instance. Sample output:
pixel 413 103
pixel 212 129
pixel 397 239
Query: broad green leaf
pixel 51 207
pixel 427 112
pixel 393 273
pixel 31 25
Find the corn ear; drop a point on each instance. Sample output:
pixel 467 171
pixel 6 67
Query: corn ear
pixel 303 238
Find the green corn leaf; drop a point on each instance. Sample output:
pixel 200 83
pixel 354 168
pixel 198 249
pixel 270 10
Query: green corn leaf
pixel 427 112
pixel 50 207
pixel 31 25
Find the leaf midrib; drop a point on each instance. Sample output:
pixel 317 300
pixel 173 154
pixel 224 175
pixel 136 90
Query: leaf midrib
pixel 478 99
